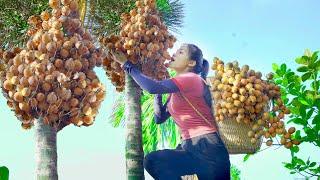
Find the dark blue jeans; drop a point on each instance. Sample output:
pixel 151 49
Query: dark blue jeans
pixel 204 155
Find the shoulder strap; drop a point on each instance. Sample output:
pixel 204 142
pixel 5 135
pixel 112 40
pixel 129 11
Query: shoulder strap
pixel 196 109
pixel 205 119
pixel 205 82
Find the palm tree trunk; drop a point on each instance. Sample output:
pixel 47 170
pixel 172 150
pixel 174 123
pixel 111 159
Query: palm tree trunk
pixel 46 151
pixel 134 150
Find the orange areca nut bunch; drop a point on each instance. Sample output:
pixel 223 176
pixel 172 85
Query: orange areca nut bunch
pixel 35 23
pixel 112 68
pixel 144 38
pixel 241 94
pixel 53 77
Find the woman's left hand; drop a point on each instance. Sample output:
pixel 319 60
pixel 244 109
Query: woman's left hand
pixel 118 56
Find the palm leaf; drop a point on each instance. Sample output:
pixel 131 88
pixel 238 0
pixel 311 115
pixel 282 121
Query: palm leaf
pixel 13 20
pixel 153 135
pixel 149 127
pixel 104 15
pixel 117 117
pixel 171 12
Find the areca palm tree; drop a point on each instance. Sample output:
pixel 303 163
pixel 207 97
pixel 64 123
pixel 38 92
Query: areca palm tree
pixel 103 16
pixel 106 20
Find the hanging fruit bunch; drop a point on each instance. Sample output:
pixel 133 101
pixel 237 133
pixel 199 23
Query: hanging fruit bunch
pixel 241 94
pixel 35 24
pixel 144 38
pixel 53 77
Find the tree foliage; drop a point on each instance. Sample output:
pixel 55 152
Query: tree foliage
pixel 165 134
pixel 13 20
pixel 104 16
pixel 300 92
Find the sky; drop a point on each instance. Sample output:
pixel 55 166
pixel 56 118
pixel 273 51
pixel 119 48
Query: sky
pixel 253 32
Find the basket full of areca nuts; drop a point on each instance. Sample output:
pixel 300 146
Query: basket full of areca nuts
pixel 247 108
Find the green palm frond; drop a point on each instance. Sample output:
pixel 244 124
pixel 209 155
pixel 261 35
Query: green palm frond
pixel 149 135
pixel 165 134
pixel 14 16
pixel 170 133
pixel 153 135
pixel 149 127
pixel 158 136
pixel 171 12
pixel 117 117
pixel 103 16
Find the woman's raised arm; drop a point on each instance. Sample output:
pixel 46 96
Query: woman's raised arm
pixel 148 84
pixel 161 113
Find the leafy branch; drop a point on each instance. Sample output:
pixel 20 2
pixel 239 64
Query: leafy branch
pixel 301 94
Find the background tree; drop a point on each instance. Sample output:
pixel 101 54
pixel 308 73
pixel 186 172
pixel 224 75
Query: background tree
pixel 14 20
pixel 300 92
pixel 103 17
pixel 14 17
pixel 134 149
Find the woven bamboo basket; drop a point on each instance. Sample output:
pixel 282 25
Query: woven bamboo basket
pixel 235 135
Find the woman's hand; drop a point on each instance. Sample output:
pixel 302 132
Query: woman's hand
pixel 118 56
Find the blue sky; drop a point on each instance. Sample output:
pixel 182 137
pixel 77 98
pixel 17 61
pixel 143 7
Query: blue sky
pixel 254 32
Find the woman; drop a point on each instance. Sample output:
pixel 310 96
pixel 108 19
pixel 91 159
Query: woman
pixel 201 151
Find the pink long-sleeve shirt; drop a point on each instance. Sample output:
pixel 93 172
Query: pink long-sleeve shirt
pixel 189 122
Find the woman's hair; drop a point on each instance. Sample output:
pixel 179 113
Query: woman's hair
pixel 202 68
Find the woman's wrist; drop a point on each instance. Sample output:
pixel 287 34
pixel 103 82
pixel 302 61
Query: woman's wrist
pixel 124 64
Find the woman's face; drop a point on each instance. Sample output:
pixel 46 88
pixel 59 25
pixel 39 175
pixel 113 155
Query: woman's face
pixel 180 59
